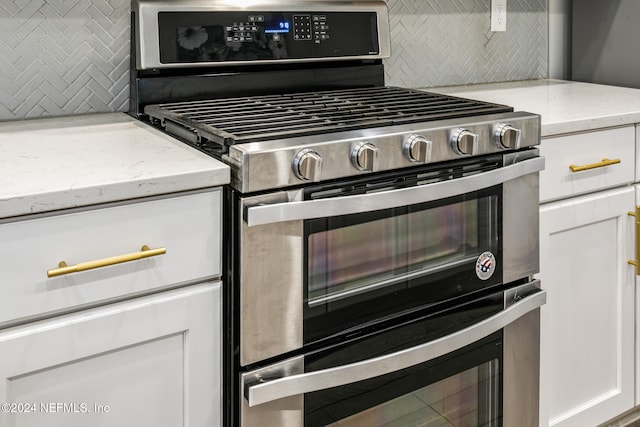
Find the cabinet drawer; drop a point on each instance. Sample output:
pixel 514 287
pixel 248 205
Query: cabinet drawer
pixel 188 226
pixel 558 180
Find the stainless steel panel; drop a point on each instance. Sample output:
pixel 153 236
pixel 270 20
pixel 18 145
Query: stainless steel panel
pixel 520 221
pixel 261 392
pixel 274 213
pixel 267 165
pixel 521 371
pixel 148 45
pixel 271 286
pixel 287 412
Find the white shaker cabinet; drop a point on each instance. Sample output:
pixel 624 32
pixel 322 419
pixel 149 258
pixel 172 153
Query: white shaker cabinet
pixel 150 361
pixel 120 336
pixel 587 363
pixel 587 325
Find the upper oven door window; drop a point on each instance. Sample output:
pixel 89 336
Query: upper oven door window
pixel 368 266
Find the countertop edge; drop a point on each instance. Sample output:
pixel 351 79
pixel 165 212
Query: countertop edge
pixel 550 130
pixel 118 192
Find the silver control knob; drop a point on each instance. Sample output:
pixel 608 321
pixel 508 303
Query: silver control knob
pixel 364 157
pixel 307 165
pixel 507 136
pixel 418 148
pixel 464 142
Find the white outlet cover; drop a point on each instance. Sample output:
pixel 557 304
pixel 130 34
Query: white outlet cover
pixel 498 15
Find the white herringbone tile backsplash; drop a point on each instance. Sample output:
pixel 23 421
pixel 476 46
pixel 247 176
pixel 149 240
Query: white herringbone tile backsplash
pixel 445 42
pixel 62 57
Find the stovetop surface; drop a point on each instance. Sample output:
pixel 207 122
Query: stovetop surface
pixel 230 121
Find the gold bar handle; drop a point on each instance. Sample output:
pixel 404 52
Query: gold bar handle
pixel 603 163
pixel 145 252
pixel 636 263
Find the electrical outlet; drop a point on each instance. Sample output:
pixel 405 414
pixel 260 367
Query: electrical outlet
pixel 498 15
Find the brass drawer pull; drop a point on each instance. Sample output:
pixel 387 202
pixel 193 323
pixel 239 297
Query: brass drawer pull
pixel 145 252
pixel 636 263
pixel 603 163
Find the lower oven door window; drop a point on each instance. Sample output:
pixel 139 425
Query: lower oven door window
pixel 459 388
pixel 368 266
pixel 462 389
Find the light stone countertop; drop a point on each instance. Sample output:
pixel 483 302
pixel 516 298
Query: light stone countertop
pixel 67 162
pixel 565 107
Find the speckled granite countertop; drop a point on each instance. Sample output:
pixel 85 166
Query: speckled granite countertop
pixel 58 163
pixel 565 107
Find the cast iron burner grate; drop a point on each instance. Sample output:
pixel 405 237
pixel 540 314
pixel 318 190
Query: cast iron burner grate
pixel 229 121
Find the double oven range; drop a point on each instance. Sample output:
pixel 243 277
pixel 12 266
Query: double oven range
pixel 381 242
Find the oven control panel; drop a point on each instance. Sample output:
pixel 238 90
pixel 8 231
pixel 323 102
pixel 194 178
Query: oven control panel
pixel 301 27
pixel 224 37
pixel 382 151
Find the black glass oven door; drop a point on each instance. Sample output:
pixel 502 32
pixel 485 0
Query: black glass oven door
pixel 444 366
pixel 369 266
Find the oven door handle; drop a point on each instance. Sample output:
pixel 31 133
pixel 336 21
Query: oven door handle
pixel 309 209
pixel 259 390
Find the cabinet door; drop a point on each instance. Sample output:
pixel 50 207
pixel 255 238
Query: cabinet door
pixel 587 325
pixel 149 362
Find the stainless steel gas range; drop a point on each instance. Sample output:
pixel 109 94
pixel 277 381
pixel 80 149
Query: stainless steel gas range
pixel 381 242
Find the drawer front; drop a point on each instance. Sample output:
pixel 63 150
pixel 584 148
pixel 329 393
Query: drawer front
pixel 187 226
pixel 587 151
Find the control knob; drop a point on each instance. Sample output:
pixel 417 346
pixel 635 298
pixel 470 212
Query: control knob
pixel 418 148
pixel 464 142
pixel 507 136
pixel 364 157
pixel 307 165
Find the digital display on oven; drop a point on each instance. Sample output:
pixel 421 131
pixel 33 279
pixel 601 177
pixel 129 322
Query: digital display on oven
pixel 277 27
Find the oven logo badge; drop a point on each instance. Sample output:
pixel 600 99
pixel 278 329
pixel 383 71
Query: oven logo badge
pixel 485 265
